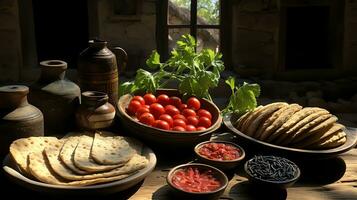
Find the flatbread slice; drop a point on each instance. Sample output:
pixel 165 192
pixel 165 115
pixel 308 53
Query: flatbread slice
pixel 332 141
pixel 136 163
pixel 21 148
pixel 109 150
pixel 67 153
pixel 288 135
pixel 40 168
pixel 238 124
pixel 291 122
pixel 264 113
pixel 283 117
pixel 83 160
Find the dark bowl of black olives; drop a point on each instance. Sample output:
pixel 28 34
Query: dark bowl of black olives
pixel 272 171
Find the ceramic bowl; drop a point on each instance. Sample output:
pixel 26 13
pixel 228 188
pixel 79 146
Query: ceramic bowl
pixel 270 183
pixel 218 174
pixel 220 164
pixel 168 139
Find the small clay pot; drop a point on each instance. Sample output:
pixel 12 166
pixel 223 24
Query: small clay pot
pixel 95 112
pixel 18 118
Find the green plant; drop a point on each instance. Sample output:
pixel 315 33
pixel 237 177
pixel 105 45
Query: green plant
pixel 243 98
pixel 196 72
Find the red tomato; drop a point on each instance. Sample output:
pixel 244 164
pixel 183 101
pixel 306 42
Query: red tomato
pixel 193 103
pixel 163 99
pixel 204 121
pixel 204 113
pixel 157 109
pixel 179 116
pixel 149 98
pixel 147 118
pixel 200 128
pixel 147 106
pixel 176 101
pixel 183 107
pixel 141 111
pixel 167 118
pixel 140 99
pixel 171 110
pixel 162 125
pixel 179 122
pixel 134 105
pixel 190 128
pixel 188 112
pixel 178 128
pixel 192 120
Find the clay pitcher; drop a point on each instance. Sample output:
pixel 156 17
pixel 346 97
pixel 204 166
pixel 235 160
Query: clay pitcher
pixel 98 71
pixel 18 118
pixel 95 112
pixel 57 97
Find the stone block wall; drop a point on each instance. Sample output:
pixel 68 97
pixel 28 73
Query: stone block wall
pixel 10 41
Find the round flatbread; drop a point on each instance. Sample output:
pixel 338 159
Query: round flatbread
pixel 251 116
pixel 331 141
pixel 67 153
pixel 238 124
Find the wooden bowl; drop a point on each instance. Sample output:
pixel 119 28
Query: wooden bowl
pixel 168 139
pixel 218 174
pixel 220 164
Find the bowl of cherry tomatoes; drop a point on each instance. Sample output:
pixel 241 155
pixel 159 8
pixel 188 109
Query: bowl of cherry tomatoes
pixel 167 119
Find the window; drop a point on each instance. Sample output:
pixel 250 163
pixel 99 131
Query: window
pixel 206 20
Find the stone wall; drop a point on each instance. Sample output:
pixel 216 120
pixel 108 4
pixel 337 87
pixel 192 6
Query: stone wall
pixel 136 35
pixel 10 41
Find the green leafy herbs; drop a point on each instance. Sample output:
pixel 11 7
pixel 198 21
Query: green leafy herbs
pixel 243 98
pixel 196 72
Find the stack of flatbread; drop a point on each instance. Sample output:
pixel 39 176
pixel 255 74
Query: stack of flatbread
pixel 293 126
pixel 79 159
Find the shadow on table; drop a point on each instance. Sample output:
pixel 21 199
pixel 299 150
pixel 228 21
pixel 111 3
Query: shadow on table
pixel 246 190
pixel 321 172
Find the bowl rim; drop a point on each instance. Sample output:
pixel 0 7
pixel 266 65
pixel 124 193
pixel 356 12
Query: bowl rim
pixel 214 169
pixel 241 157
pixel 214 126
pixel 298 172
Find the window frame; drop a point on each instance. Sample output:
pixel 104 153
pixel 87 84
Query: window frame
pixel 224 27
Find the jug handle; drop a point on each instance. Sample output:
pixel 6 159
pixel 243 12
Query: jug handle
pixel 122 58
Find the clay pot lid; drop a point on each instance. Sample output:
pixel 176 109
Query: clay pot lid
pixel 14 89
pixel 54 64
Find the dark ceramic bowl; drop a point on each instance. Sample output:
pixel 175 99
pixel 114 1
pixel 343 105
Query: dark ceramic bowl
pixel 270 183
pixel 220 164
pixel 168 139
pixel 218 174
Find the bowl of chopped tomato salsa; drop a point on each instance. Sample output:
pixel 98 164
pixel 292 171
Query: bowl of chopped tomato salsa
pixel 197 181
pixel 221 154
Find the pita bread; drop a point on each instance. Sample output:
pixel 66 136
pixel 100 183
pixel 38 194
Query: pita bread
pixel 238 124
pixel 331 141
pixel 21 148
pixel 83 160
pixel 67 153
pixel 109 150
pixel 246 122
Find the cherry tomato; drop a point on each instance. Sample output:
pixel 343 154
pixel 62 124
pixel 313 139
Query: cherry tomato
pixel 204 121
pixel 204 113
pixel 163 99
pixel 183 106
pixel 178 128
pixel 193 103
pixel 149 98
pixel 147 118
pixel 162 125
pixel 141 111
pixel 157 109
pixel 192 120
pixel 140 99
pixel 171 110
pixel 147 106
pixel 179 116
pixel 176 101
pixel 188 112
pixel 134 105
pixel 200 128
pixel 167 118
pixel 190 128
pixel 154 123
pixel 179 122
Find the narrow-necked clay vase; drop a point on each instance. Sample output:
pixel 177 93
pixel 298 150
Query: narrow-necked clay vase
pixel 98 71
pixel 18 118
pixel 95 112
pixel 57 97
